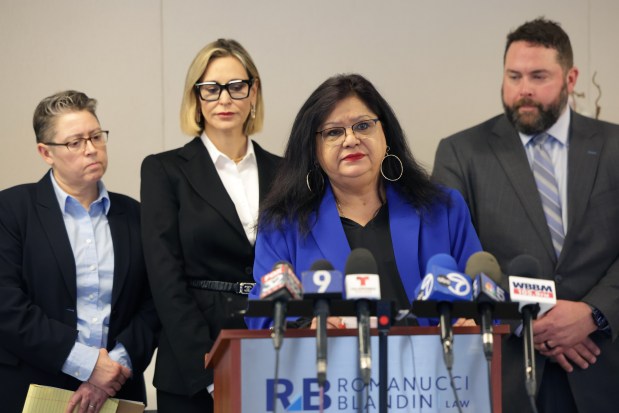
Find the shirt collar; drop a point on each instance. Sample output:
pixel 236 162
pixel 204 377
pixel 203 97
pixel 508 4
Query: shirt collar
pixel 64 198
pixel 559 131
pixel 217 156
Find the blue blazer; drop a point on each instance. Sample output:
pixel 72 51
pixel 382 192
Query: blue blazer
pixel 415 238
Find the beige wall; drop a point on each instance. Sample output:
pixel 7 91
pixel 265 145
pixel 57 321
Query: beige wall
pixel 438 63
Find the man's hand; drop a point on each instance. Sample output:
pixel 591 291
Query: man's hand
pixel 565 325
pixel 88 398
pixel 108 375
pixel 582 354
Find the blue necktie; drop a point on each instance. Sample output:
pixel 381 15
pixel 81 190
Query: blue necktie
pixel 543 171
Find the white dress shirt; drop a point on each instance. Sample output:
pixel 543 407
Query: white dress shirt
pixel 241 183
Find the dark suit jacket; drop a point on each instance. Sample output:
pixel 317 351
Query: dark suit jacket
pixel 191 230
pixel 38 322
pixel 489 166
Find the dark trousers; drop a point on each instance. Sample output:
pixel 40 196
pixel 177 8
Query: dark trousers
pixel 555 394
pixel 201 402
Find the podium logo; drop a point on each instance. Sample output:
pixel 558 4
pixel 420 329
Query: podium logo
pixel 285 395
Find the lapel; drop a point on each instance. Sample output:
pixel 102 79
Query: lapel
pixel 122 242
pixel 267 168
pixel 329 233
pixel 199 170
pixel 585 146
pixel 404 229
pixel 56 233
pixel 508 149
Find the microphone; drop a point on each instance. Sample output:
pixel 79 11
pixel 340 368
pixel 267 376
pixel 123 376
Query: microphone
pixel 362 284
pixel 321 283
pixel 280 285
pixel 486 274
pixel 535 297
pixel 444 284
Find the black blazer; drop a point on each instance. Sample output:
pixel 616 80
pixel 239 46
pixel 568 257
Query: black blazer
pixel 191 230
pixel 38 293
pixel 489 166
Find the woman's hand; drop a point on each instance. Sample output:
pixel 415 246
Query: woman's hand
pixel 88 398
pixel 332 323
pixel 465 322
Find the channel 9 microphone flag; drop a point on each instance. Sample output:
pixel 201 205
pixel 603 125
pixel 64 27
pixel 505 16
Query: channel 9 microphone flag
pixel 322 283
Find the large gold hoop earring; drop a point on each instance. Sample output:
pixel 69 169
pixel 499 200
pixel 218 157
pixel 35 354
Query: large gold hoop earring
pixel 392 156
pixel 320 183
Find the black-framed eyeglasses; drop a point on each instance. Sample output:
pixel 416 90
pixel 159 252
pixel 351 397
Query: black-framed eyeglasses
pixel 336 136
pixel 98 140
pixel 237 89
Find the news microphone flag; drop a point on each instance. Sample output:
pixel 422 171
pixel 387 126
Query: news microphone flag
pixel 531 291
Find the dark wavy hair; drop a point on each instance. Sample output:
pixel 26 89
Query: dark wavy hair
pixel 290 199
pixel 547 33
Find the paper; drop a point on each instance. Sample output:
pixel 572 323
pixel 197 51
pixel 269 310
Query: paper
pixel 45 399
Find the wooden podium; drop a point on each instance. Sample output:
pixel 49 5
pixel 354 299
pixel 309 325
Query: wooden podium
pixel 227 358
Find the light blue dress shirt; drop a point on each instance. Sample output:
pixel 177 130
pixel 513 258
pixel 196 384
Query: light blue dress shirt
pixel 91 241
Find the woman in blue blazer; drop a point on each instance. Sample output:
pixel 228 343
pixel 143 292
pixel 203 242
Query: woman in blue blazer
pixel 349 180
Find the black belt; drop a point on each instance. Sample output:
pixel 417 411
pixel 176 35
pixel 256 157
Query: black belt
pixel 223 286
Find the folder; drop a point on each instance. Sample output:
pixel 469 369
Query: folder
pixel 45 399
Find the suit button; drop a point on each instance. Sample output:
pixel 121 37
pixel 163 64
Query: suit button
pixel 558 278
pixel 249 270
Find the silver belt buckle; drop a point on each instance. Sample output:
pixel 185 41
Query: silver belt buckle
pixel 245 288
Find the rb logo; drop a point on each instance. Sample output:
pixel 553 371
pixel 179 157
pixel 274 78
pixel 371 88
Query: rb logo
pixel 295 403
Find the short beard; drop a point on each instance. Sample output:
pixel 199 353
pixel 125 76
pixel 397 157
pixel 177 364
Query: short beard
pixel 540 123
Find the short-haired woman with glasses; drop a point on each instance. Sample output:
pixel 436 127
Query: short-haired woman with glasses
pixel 199 212
pixel 348 180
pixel 75 308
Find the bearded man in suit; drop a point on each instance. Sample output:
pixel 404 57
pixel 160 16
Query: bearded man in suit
pixel 543 180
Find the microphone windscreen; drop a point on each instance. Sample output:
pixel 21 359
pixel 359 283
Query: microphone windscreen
pixel 361 261
pixel 524 266
pixel 321 265
pixel 483 262
pixel 445 261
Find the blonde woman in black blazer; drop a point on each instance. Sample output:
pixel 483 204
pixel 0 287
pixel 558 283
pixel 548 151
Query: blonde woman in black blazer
pixel 199 207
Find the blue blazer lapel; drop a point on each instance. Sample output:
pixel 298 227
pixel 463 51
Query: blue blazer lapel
pixel 56 233
pixel 404 233
pixel 329 234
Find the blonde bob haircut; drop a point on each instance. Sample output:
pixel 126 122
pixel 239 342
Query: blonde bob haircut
pixel 192 121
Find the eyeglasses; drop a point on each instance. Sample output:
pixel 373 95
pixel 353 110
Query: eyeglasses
pixel 336 136
pixel 98 140
pixel 211 91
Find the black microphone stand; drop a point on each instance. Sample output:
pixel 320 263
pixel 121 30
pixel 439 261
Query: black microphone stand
pixel 383 315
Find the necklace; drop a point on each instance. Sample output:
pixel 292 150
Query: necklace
pixel 339 207
pixel 341 213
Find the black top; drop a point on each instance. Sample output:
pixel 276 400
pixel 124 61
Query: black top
pixel 376 237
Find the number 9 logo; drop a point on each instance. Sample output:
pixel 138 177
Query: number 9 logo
pixel 322 279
